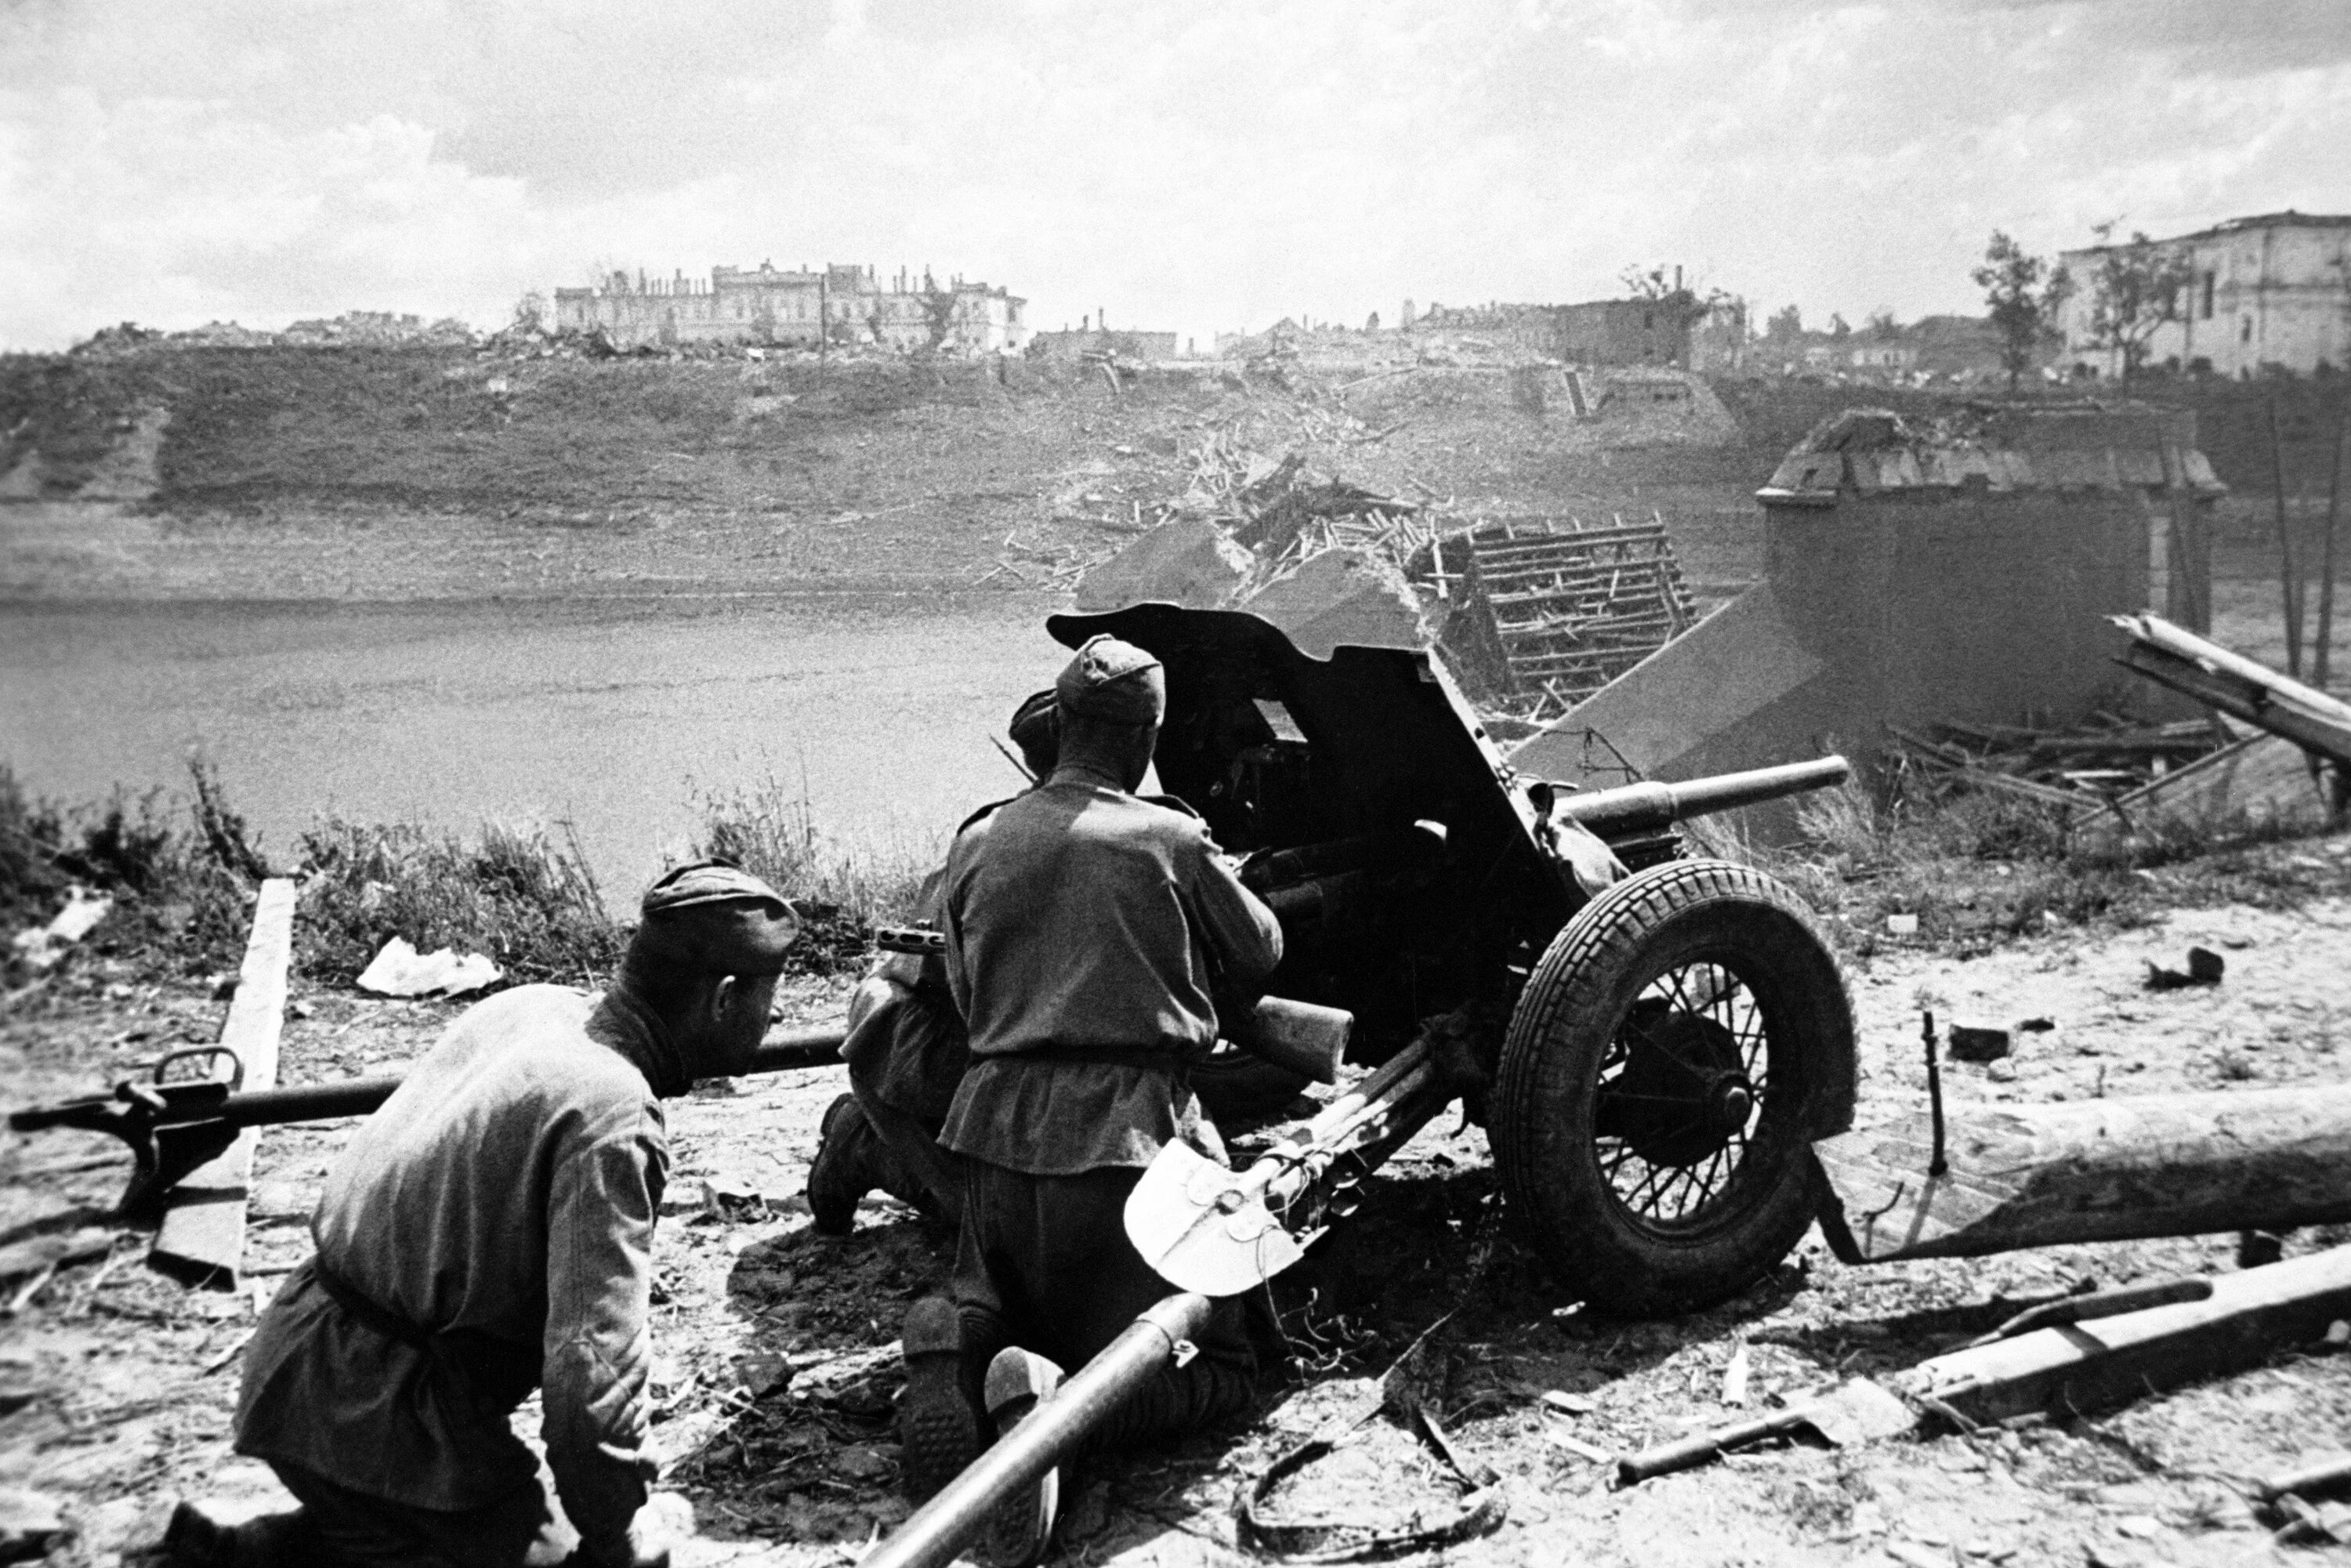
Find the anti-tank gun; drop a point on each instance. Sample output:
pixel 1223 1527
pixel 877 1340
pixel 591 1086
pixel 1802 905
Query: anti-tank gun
pixel 1652 1040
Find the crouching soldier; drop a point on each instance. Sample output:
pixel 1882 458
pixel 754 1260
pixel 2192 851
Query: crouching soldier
pixel 489 1231
pixel 906 1053
pixel 1084 925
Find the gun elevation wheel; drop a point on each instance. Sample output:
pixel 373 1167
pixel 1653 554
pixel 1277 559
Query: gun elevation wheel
pixel 1681 1043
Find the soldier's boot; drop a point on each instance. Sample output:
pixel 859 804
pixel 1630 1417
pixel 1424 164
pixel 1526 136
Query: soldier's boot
pixel 847 1167
pixel 938 1430
pixel 1020 1528
pixel 196 1539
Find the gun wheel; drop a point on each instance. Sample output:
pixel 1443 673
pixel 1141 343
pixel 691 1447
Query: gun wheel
pixel 1684 1039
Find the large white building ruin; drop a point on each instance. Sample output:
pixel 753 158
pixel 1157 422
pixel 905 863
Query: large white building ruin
pixel 2269 290
pixel 803 306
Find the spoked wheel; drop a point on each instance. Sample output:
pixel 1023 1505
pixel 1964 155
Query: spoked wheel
pixel 1682 1042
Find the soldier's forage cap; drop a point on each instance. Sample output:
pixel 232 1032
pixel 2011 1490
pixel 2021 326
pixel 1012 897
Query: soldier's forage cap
pixel 717 918
pixel 1035 729
pixel 1115 682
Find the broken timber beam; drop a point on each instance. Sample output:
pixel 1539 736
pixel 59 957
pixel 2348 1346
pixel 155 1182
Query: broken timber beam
pixel 2238 687
pixel 202 1240
pixel 2091 1170
pixel 2087 1366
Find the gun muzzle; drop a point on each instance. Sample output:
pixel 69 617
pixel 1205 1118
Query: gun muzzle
pixel 1649 807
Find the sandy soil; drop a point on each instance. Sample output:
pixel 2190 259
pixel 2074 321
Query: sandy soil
pixel 777 1371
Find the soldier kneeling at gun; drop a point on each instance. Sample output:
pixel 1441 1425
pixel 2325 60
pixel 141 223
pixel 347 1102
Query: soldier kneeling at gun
pixel 906 1054
pixel 488 1231
pixel 1084 927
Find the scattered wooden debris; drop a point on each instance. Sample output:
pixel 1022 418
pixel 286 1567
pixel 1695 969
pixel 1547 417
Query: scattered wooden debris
pixel 2261 777
pixel 1551 614
pixel 2084 768
pixel 2086 1367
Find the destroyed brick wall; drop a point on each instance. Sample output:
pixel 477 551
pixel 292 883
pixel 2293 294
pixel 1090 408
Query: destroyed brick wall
pixel 1623 332
pixel 1912 574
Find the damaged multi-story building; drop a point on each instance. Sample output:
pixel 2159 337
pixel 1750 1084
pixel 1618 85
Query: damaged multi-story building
pixel 796 306
pixel 1677 330
pixel 2272 291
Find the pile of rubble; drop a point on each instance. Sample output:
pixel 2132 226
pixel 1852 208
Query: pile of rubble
pixel 2085 766
pixel 2267 749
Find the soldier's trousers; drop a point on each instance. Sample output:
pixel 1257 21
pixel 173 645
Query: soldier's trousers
pixel 345 1529
pixel 1043 1263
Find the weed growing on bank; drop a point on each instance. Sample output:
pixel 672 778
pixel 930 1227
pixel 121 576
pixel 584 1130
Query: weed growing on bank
pixel 1980 869
pixel 183 873
pixel 182 890
pixel 529 902
pixel 839 890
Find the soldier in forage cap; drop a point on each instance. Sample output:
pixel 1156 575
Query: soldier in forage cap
pixel 489 1231
pixel 907 1055
pixel 1085 925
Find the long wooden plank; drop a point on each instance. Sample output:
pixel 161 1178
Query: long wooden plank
pixel 2095 1170
pixel 2106 1362
pixel 203 1236
pixel 2237 685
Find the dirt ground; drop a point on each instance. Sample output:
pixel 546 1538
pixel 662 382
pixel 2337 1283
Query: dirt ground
pixel 777 1372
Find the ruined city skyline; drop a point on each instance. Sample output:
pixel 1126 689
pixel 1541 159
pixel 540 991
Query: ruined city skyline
pixel 1196 169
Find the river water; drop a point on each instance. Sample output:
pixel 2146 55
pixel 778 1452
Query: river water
pixel 610 713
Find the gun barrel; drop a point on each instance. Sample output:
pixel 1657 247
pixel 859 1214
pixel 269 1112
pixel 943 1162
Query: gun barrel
pixel 1056 1428
pixel 1648 807
pixel 788 1050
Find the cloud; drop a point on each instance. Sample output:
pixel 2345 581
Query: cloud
pixel 1214 165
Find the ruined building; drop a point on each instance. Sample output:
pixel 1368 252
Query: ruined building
pixel 1918 573
pixel 2269 290
pixel 844 304
pixel 1679 331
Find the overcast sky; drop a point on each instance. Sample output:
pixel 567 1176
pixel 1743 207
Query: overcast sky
pixel 1195 165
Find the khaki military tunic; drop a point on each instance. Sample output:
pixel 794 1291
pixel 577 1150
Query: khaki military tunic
pixel 1087 931
pixel 488 1230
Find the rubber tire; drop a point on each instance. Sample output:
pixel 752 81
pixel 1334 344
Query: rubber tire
pixel 1546 1092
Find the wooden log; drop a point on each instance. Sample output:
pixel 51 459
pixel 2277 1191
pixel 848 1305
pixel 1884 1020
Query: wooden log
pixel 202 1239
pixel 2095 1170
pixel 2096 1365
pixel 2238 687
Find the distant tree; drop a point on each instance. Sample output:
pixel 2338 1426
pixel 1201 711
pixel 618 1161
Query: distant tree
pixel 1786 326
pixel 1649 283
pixel 2024 294
pixel 1372 325
pixel 938 312
pixel 1837 327
pixel 1882 326
pixel 530 312
pixel 2136 288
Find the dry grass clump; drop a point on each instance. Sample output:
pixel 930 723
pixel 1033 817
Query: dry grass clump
pixel 529 904
pixel 839 888
pixel 182 889
pixel 184 875
pixel 1980 868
